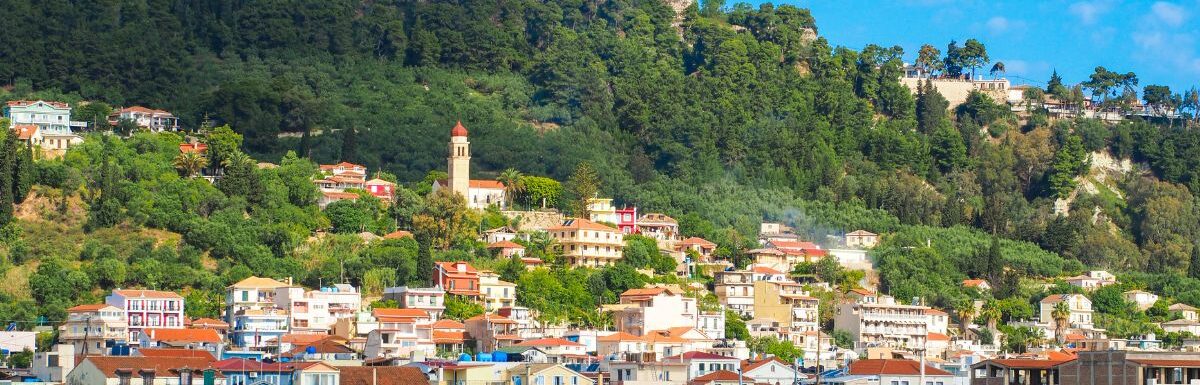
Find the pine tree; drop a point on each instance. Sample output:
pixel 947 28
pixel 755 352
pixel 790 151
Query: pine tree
pixel 425 263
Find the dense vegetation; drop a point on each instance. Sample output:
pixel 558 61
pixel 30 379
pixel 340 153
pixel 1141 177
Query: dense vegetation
pixel 720 127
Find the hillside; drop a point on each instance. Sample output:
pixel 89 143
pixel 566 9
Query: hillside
pixel 735 117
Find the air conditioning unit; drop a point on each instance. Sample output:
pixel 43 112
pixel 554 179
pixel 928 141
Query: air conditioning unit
pixel 253 374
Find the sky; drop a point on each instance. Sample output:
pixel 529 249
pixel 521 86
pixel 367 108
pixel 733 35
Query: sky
pixel 1157 40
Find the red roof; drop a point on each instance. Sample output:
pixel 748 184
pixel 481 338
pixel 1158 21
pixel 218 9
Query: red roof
pixel 505 245
pixel 23 103
pixel 893 367
pixel 176 353
pixel 399 313
pixel 720 375
pixel 765 270
pixel 697 241
pixel 398 234
pixel 381 375
pixel 484 183
pixel 87 308
pixel 532 261
pixel 339 195
pixel 443 337
pixel 696 355
pixel 861 291
pixel 749 366
pixel 549 342
pixel 647 292
pixel 935 311
pixel 446 323
pixel 581 224
pixel 458 129
pixel 209 323
pixel 146 294
pixel 937 337
pixel 109 366
pixel 973 282
pixel 184 335
pixel 25 131
pixel 344 165
pixel 198 148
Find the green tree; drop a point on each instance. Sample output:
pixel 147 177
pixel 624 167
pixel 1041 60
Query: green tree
pixel 973 55
pixel 1061 314
pixel 442 220
pixel 1069 161
pixel 190 163
pixel 513 183
pixel 584 185
pixel 735 327
pixel 541 191
pixel 929 59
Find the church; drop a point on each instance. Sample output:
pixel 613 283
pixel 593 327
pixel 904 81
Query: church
pixel 479 193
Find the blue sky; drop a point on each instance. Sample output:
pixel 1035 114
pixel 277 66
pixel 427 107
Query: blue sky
pixel 1158 40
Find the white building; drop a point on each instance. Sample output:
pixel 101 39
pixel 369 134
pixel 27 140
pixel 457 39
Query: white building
pixel 879 321
pixel 91 329
pixel 147 118
pixel 735 290
pixel 588 244
pixel 655 308
pixel 316 311
pixel 1142 299
pixel 1079 305
pixel 861 239
pixel 432 300
pixel 406 333
pixel 1186 311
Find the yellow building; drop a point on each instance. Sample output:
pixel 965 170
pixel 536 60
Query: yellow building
pixel 546 374
pixel 587 243
pixel 496 293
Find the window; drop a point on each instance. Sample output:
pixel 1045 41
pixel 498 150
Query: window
pixel 147 378
pixel 245 296
pixel 574 380
pixel 123 378
pixel 558 380
pixel 539 380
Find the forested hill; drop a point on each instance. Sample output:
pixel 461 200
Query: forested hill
pixel 720 116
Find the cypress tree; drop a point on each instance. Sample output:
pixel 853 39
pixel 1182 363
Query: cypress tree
pixel 7 160
pixel 22 173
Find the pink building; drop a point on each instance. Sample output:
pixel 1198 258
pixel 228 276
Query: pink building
pixel 627 220
pixel 148 309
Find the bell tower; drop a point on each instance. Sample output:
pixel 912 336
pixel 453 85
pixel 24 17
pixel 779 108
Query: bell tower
pixel 459 161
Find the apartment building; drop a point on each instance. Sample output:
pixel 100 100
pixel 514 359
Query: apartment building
pixel 259 329
pixel 495 292
pixel 790 305
pixel 735 290
pixel 879 321
pixel 401 333
pixel 316 311
pixel 588 244
pixel 91 329
pixel 493 331
pixel 655 308
pixel 250 293
pixel 457 278
pixel 1078 304
pixel 430 299
pixel 148 309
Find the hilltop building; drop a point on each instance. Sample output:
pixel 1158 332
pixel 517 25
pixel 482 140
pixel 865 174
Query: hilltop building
pixel 479 193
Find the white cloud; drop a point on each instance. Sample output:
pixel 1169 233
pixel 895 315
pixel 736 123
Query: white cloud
pixel 1000 25
pixel 1169 13
pixel 1174 51
pixel 1089 11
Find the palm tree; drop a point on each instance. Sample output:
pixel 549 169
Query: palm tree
pixel 965 311
pixel 1061 314
pixel 190 163
pixel 991 314
pixel 511 178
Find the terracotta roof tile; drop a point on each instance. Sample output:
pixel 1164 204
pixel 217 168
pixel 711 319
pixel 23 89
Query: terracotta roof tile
pixel 147 294
pixel 110 365
pixel 381 375
pixel 258 283
pixel 893 367
pixel 505 245
pixel 87 308
pixel 398 234
pixel 549 342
